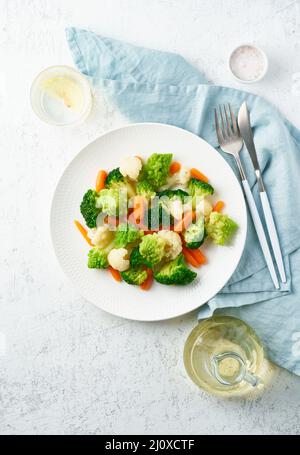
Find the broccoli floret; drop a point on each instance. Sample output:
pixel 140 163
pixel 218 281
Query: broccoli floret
pixel 97 257
pixel 195 234
pixel 220 228
pixel 145 189
pixel 175 272
pixel 112 201
pixel 156 169
pixel 173 194
pixel 152 248
pixel 88 208
pixel 137 260
pixel 127 233
pixel 135 276
pixel 113 177
pixel 199 188
pixel 116 180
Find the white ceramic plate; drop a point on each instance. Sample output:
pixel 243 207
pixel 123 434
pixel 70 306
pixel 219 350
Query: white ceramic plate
pixel 97 286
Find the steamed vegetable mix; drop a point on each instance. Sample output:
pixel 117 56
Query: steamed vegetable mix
pixel 146 221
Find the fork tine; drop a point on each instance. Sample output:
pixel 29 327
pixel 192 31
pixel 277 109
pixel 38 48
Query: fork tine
pixel 228 124
pixel 222 122
pixel 233 119
pixel 217 127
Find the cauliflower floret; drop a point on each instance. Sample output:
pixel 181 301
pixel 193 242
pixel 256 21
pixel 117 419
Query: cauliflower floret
pixel 173 246
pixel 184 176
pixel 131 167
pixel 179 179
pixel 102 236
pixel 204 206
pixel 117 258
pixel 176 208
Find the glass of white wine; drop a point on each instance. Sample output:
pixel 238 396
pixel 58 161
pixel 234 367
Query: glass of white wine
pixel 224 356
pixel 60 95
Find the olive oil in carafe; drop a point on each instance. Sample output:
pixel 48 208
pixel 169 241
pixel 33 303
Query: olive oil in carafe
pixel 224 356
pixel 62 99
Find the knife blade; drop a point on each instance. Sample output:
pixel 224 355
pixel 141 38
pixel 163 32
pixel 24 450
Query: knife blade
pixel 247 135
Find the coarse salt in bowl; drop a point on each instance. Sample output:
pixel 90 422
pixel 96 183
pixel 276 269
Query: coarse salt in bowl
pixel 248 63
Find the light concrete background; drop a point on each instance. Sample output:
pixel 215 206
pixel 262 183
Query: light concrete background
pixel 65 366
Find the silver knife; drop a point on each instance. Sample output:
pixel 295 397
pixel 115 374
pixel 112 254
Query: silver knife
pixel 247 135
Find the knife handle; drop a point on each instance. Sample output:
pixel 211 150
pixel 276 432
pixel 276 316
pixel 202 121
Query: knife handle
pixel 260 232
pixel 273 234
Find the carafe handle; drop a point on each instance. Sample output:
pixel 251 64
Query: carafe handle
pixel 243 375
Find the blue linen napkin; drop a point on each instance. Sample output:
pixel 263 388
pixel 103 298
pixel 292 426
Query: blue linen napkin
pixel 152 86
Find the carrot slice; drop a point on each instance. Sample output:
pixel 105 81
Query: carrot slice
pixel 198 175
pixel 185 222
pixel 83 232
pixel 199 256
pixel 175 167
pixel 219 206
pixel 115 273
pixel 100 181
pixel 148 281
pixel 189 257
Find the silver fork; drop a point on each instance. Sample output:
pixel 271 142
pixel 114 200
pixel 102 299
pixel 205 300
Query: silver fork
pixel 231 142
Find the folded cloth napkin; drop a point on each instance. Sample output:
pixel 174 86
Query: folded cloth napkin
pixel 153 86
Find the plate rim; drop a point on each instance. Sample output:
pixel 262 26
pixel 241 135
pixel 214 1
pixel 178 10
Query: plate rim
pixel 81 151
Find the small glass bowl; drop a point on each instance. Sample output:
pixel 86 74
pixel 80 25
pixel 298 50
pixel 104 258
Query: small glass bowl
pixel 61 96
pixel 243 50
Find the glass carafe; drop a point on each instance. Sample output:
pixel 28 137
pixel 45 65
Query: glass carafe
pixel 224 356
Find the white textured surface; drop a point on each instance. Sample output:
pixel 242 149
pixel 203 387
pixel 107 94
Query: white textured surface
pixel 65 366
